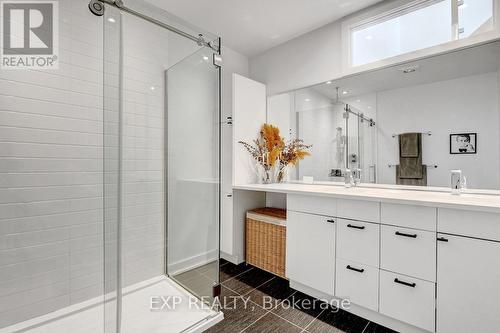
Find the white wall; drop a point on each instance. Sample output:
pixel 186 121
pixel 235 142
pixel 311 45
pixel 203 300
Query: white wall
pixel 468 104
pixel 306 60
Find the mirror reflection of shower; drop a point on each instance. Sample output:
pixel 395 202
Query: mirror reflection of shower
pixel 339 145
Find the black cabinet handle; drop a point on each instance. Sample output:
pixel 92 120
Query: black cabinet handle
pixel 442 239
pixel 359 270
pixel 330 221
pixel 356 226
pixel 406 235
pixel 413 285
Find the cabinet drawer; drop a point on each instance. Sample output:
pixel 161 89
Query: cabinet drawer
pixel 358 241
pixel 358 210
pixel 312 204
pixel 408 251
pixel 408 299
pixel 358 283
pixel 418 217
pixel 469 223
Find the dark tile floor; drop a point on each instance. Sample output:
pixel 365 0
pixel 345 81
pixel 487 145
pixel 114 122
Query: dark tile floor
pixel 255 301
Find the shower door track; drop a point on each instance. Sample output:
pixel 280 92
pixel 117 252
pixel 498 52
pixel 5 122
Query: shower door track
pixel 200 40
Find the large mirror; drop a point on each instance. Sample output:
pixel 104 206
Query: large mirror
pixel 407 125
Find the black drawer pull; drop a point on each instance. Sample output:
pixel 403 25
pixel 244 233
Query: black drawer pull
pixel 356 226
pixel 330 221
pixel 442 239
pixel 359 270
pixel 406 235
pixel 413 285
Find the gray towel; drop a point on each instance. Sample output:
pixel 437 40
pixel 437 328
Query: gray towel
pixel 410 168
pixel 410 145
pixel 412 182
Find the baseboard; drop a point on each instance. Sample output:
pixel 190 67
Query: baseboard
pixel 193 262
pixel 368 314
pixel 235 259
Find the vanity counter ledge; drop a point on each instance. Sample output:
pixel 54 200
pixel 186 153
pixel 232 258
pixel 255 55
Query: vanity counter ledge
pixel 471 202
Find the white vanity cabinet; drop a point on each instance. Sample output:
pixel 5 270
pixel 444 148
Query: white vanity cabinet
pixel 468 289
pixel 310 254
pixel 429 262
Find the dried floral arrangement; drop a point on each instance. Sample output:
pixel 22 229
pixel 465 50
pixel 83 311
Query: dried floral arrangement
pixel 270 150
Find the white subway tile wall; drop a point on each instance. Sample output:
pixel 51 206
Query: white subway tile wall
pixel 59 146
pixel 51 151
pixel 146 57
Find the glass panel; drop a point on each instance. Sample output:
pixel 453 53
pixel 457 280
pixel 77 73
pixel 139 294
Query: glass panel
pixel 193 173
pixel 138 55
pixel 475 16
pixel 426 26
pixel 320 122
pixel 353 142
pixel 111 137
pixel 366 145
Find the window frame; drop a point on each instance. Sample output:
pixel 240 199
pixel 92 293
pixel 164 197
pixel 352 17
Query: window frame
pixel 394 9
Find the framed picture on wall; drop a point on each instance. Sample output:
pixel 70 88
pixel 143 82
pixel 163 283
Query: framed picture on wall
pixel 463 143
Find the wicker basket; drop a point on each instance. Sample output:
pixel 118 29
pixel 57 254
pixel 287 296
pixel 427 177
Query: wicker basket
pixel 266 239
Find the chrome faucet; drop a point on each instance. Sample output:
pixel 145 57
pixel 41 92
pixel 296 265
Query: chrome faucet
pixel 348 180
pixel 357 176
pixel 456 181
pixel 352 178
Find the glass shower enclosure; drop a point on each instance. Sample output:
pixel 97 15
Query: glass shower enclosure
pixel 109 176
pixel 163 154
pixel 342 137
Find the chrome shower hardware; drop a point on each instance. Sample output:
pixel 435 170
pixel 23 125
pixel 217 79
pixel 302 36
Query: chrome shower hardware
pixel 96 7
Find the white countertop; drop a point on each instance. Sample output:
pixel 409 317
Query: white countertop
pixel 478 202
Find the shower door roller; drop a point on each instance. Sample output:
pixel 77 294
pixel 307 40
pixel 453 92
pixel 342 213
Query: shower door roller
pixel 96 7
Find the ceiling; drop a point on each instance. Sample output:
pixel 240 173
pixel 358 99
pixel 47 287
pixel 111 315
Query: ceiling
pixel 251 27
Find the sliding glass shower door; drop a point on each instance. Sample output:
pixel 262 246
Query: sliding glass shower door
pixel 161 151
pixel 193 137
